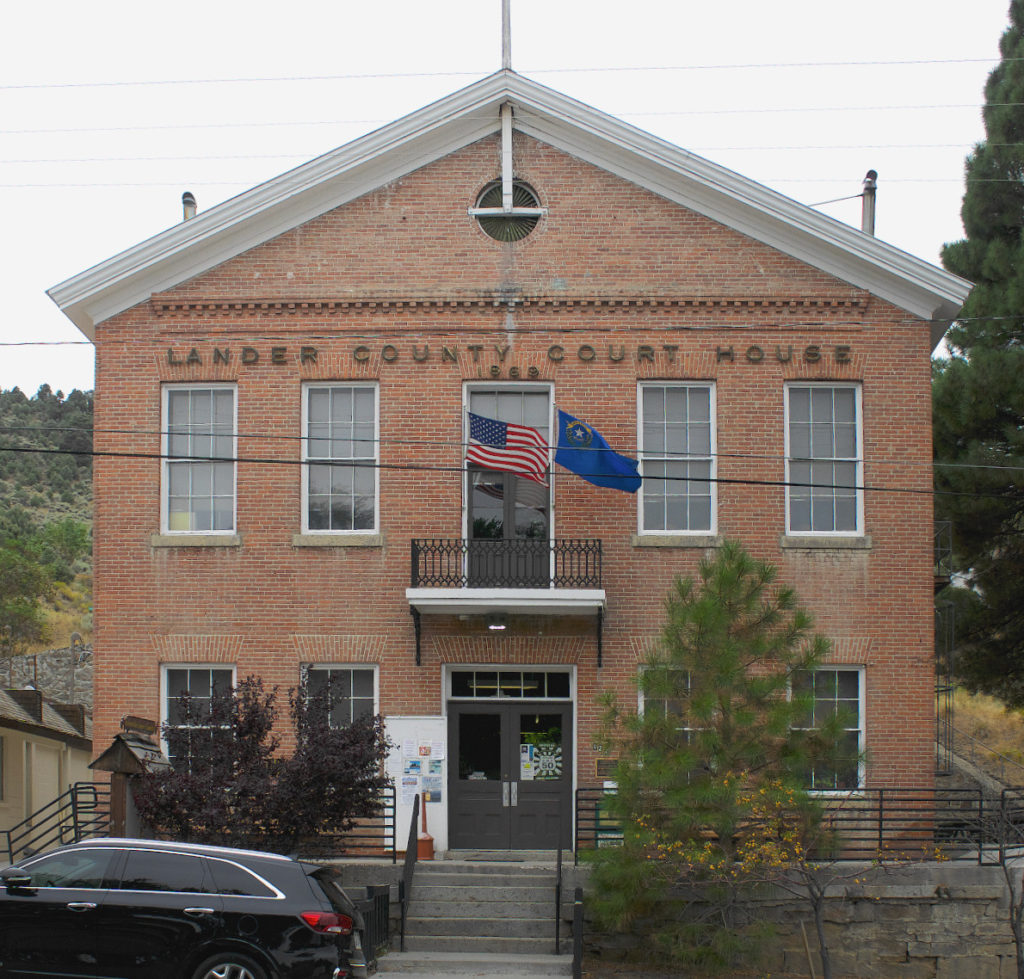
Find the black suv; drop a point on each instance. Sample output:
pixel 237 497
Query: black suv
pixel 145 909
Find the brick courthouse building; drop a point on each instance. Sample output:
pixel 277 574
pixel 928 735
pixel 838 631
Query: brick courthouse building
pixel 332 329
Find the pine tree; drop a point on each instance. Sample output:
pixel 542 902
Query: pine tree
pixel 979 392
pixel 713 772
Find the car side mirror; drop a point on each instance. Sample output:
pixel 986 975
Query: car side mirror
pixel 14 878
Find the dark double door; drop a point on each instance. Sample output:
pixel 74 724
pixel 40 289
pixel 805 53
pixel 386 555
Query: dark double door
pixel 510 775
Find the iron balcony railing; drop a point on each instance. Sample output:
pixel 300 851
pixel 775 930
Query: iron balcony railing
pixel 458 563
pixel 874 824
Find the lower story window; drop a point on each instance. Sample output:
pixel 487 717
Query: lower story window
pixel 189 695
pixel 349 691
pixel 835 690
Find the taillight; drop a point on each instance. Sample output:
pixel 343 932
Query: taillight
pixel 328 923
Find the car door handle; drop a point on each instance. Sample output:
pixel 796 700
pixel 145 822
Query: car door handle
pixel 198 912
pixel 81 906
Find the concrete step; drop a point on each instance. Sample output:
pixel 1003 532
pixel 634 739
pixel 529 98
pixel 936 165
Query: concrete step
pixel 546 858
pixel 413 965
pixel 469 878
pixel 482 945
pixel 459 906
pixel 426 890
pixel 500 927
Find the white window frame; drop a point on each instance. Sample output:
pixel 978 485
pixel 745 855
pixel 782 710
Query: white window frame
pixel 859 729
pixel 309 668
pixel 858 460
pixel 167 462
pixel 164 668
pixel 712 457
pixel 307 461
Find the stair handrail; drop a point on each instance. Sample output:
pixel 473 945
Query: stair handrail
pixel 408 868
pixel 74 815
pixel 558 901
pixel 577 933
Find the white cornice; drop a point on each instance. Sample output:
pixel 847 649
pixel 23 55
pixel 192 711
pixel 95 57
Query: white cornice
pixel 301 194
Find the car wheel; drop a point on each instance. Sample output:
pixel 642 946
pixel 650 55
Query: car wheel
pixel 228 965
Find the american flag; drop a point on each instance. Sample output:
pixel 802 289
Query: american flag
pixel 507 447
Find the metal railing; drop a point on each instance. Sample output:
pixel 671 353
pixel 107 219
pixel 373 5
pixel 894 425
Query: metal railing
pixel 408 869
pixel 78 814
pixel 943 551
pixel 558 901
pixel 577 933
pixel 991 762
pixel 374 836
pixel 375 934
pixel 874 824
pixel 460 563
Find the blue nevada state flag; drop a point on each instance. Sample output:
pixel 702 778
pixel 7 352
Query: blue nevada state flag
pixel 582 450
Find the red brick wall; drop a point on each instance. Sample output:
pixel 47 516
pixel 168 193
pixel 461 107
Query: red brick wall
pixel 610 267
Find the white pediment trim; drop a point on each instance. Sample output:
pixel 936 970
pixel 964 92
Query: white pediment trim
pixel 342 175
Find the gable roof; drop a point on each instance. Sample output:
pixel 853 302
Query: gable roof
pixel 314 188
pixel 29 711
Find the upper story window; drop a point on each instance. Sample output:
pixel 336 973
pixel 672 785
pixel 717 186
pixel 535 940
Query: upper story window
pixel 503 505
pixel 677 458
pixel 823 459
pixel 340 449
pixel 199 451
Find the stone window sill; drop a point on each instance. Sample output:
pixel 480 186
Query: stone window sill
pixel 337 540
pixel 791 542
pixel 195 540
pixel 676 540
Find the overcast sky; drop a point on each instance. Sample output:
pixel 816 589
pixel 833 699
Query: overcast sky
pixel 109 111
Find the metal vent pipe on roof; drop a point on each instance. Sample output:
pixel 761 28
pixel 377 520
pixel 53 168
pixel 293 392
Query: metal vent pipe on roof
pixel 867 213
pixel 188 205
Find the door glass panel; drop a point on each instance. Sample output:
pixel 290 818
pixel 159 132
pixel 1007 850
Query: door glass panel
pixel 488 506
pixel 531 509
pixel 479 747
pixel 540 747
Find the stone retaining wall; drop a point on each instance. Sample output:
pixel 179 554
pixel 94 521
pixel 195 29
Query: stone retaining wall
pixel 921 921
pixel 61 675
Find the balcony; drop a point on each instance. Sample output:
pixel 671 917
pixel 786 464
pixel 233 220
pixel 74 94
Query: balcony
pixel 478 577
pixel 495 578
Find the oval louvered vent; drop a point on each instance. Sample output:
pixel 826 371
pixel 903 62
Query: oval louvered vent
pixel 508 227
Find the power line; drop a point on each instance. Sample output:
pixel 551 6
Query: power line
pixel 411 467
pixel 448 444
pixel 432 444
pixel 417 333
pixel 746 110
pixel 277 79
pixel 296 155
